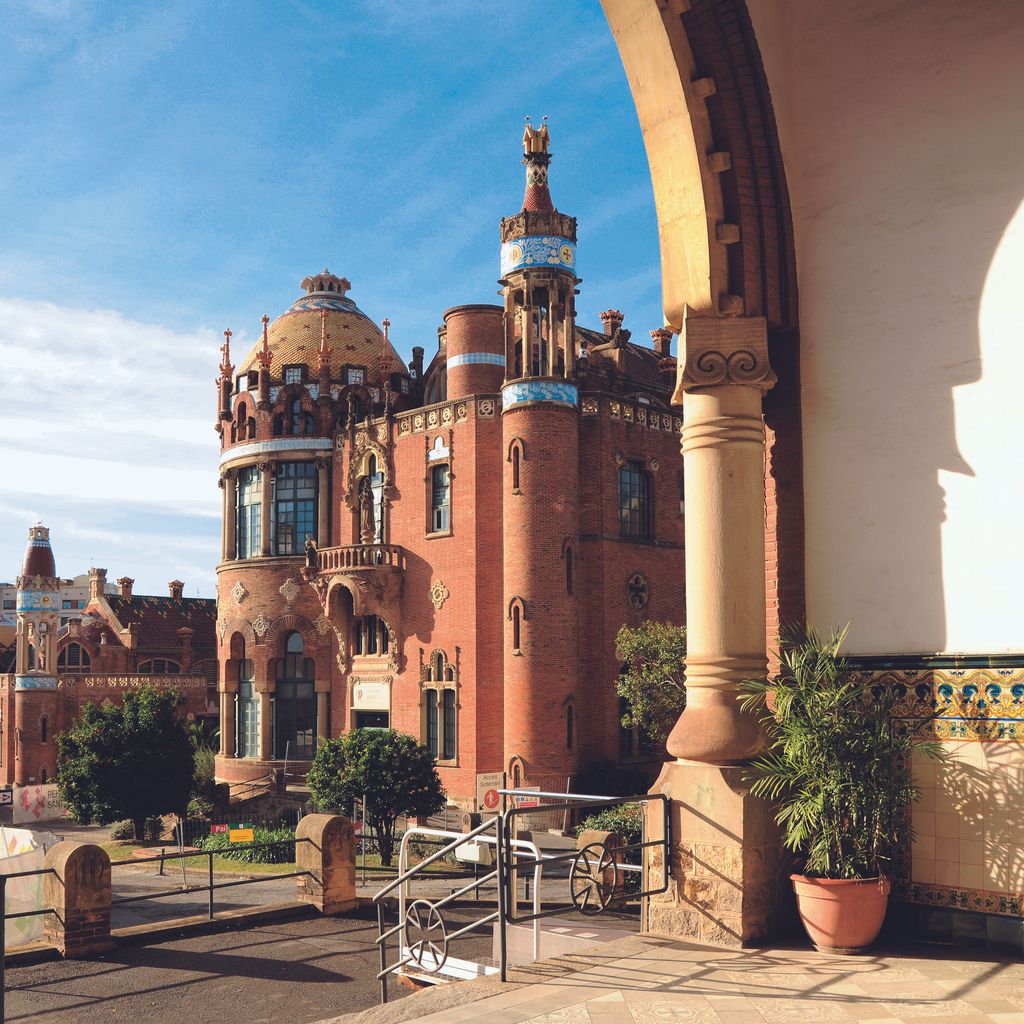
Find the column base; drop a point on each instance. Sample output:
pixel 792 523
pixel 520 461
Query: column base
pixel 726 858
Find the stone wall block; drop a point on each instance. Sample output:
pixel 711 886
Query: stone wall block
pixel 330 858
pixel 77 890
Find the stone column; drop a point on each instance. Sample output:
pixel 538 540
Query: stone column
pixel 323 503
pixel 325 847
pixel 227 724
pixel 266 482
pixel 228 482
pixel 77 889
pixel 323 725
pixel 725 845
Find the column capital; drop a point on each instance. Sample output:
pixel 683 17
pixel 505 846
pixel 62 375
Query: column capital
pixel 723 350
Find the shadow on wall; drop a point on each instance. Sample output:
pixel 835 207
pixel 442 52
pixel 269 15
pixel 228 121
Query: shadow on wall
pixel 882 110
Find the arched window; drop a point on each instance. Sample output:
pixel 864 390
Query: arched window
pixel 44 729
pixel 569 569
pixel 159 667
pixel 301 422
pixel 43 776
pixel 241 417
pixel 295 702
pixel 634 501
pixel 251 424
pixel 370 636
pixel 440 500
pixel 375 478
pixel 73 658
pixel 247 711
pixel 279 424
pixel 516 629
pixel 570 726
pixel 440 708
pixel 515 468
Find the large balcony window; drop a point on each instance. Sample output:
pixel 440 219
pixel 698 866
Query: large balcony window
pixel 248 514
pixel 295 703
pixel 294 506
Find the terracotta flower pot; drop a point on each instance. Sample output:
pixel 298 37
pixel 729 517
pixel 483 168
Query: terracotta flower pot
pixel 841 915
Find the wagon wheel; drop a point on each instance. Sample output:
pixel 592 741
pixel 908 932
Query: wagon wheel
pixel 425 932
pixel 593 878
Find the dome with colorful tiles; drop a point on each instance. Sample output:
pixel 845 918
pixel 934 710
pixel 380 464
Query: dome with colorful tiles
pixel 353 339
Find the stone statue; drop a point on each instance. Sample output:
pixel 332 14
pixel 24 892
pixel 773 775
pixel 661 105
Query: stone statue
pixel 310 553
pixel 367 525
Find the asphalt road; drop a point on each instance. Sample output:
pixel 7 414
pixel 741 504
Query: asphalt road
pixel 295 971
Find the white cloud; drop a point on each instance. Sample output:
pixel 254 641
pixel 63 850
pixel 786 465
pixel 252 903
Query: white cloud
pixel 107 431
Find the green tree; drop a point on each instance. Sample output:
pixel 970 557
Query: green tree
pixel 132 760
pixel 394 772
pixel 652 682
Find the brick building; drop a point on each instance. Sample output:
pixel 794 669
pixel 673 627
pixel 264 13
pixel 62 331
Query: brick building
pixel 118 641
pixel 447 550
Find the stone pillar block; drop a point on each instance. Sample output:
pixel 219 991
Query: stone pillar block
pixel 77 890
pixel 330 859
pixel 613 842
pixel 726 857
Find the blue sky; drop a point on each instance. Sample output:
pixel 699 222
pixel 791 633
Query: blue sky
pixel 171 170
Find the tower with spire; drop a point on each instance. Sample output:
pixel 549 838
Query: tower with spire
pixel 540 431
pixel 35 670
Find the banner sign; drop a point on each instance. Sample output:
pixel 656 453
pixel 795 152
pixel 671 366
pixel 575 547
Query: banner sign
pixel 37 803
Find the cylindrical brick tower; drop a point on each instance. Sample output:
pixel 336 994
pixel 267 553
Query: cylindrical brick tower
pixel 540 431
pixel 475 350
pixel 35 671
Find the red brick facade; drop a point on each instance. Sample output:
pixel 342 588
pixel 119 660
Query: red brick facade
pixel 498 598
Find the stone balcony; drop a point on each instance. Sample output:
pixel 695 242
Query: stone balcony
pixel 371 573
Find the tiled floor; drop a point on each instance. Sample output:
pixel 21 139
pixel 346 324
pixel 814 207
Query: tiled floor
pixel 650 980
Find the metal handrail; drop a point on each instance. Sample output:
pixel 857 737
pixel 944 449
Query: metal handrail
pixel 5 917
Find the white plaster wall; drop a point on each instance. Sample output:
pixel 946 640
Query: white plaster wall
pixel 902 133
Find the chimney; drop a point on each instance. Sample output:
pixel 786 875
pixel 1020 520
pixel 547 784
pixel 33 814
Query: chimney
pixel 185 633
pixel 97 583
pixel 175 587
pixel 662 339
pixel 126 583
pixel 612 320
pixel 417 361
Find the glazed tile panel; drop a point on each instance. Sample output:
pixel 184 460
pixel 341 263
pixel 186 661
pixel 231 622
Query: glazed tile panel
pixel 968 850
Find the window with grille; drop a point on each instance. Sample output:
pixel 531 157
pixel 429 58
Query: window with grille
pixel 248 513
pixel 73 658
pixel 355 375
pixel 293 375
pixel 294 501
pixel 440 709
pixel 159 667
pixel 440 499
pixel 634 501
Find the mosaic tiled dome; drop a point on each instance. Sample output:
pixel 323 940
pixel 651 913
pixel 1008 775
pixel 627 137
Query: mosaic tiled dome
pixel 353 338
pixel 38 554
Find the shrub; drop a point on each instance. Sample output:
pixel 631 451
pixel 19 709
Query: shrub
pixel 284 853
pixel 626 821
pixel 122 830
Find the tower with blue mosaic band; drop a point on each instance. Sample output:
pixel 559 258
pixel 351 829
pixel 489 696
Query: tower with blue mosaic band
pixel 35 668
pixel 540 432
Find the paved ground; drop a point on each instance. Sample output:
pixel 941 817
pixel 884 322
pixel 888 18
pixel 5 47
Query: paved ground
pixel 644 980
pixel 290 972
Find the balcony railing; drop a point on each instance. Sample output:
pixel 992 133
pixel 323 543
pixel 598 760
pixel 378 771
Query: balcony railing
pixel 361 556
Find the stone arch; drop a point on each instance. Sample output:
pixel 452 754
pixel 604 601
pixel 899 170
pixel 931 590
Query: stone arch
pixel 285 624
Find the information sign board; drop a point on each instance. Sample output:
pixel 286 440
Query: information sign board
pixel 487 786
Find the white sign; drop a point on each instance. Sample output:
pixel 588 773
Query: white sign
pixel 371 695
pixel 528 801
pixel 37 803
pixel 487 786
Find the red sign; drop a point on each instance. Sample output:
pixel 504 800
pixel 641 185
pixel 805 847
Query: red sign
pixel 491 799
pixel 218 828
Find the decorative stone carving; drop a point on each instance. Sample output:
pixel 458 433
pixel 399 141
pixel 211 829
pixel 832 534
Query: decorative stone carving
pixel 288 590
pixel 222 628
pixel 620 459
pixel 439 593
pixel 238 592
pixel 486 408
pixel 589 406
pixel 260 625
pixel 719 350
pixel 655 465
pixel 323 625
pixel 638 591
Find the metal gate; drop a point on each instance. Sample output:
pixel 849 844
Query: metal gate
pixel 595 880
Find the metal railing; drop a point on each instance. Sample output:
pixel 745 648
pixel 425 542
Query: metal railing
pixel 422 918
pixel 211 886
pixel 594 879
pixel 594 869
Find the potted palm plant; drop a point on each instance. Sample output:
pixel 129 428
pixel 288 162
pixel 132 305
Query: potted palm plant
pixel 838 768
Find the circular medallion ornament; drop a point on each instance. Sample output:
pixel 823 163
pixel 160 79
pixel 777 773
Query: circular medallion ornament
pixel 638 591
pixel 426 936
pixel 566 255
pixel 592 879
